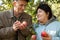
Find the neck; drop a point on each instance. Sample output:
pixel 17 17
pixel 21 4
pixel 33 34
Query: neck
pixel 16 14
pixel 43 22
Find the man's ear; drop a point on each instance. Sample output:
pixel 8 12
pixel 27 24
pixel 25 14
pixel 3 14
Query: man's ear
pixel 14 3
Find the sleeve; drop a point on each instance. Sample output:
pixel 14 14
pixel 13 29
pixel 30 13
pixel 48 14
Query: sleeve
pixel 29 30
pixel 29 21
pixel 5 31
pixel 1 23
pixel 57 37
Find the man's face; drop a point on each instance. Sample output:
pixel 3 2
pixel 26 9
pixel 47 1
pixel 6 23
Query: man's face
pixel 21 6
pixel 15 4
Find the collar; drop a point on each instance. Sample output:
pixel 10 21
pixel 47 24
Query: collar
pixel 49 21
pixel 11 13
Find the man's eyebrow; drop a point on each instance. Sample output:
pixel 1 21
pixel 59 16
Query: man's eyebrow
pixel 15 0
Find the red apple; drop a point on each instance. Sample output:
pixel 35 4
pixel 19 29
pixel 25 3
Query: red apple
pixel 33 37
pixel 44 34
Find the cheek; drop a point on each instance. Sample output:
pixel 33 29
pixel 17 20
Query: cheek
pixel 40 15
pixel 43 17
pixel 20 7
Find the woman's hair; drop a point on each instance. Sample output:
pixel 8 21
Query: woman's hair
pixel 46 8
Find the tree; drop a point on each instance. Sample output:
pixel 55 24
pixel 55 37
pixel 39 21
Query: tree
pixel 31 7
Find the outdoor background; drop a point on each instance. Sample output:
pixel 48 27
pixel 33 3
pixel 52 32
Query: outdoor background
pixel 32 5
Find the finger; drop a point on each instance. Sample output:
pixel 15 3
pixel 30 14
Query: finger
pixel 46 38
pixel 19 23
pixel 25 23
pixel 16 25
pixel 16 22
pixel 21 27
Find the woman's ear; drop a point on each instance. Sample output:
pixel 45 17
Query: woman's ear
pixel 47 13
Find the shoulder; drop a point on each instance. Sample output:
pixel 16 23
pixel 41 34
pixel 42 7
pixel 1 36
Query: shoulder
pixel 54 24
pixel 3 13
pixel 26 15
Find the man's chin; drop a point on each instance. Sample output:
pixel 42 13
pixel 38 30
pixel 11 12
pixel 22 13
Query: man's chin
pixel 21 12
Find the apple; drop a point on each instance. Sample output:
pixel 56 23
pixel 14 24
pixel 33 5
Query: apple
pixel 44 34
pixel 24 23
pixel 33 37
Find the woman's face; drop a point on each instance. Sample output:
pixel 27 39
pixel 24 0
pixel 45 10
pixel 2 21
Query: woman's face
pixel 41 15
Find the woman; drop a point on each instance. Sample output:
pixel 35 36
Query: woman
pixel 47 28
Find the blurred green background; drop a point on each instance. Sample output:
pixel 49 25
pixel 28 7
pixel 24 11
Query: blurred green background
pixel 32 5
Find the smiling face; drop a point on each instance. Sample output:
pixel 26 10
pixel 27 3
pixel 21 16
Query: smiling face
pixel 42 16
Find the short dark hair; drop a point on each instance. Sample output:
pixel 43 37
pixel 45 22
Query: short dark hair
pixel 27 0
pixel 46 8
pixel 22 0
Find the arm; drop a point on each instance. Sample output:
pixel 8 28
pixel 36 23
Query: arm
pixel 27 29
pixel 6 32
pixel 57 37
pixel 27 32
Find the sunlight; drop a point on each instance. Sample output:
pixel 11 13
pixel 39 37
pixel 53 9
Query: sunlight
pixel 0 2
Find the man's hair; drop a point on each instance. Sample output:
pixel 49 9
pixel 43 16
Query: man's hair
pixel 22 0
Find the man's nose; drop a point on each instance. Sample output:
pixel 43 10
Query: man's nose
pixel 23 7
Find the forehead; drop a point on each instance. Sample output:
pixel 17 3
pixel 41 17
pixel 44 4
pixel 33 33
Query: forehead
pixel 40 9
pixel 22 2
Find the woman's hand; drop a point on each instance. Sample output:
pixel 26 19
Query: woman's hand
pixel 33 37
pixel 47 38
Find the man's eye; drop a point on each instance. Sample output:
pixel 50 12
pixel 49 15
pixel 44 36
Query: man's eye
pixel 20 5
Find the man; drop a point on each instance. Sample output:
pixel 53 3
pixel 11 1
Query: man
pixel 12 25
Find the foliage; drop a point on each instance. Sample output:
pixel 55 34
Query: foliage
pixel 55 6
pixel 6 5
pixel 31 7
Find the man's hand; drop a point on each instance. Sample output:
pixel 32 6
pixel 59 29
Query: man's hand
pixel 23 25
pixel 16 25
